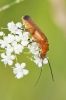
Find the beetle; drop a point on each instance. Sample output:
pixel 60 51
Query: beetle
pixel 39 36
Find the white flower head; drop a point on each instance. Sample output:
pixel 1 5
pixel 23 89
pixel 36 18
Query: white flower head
pixel 15 42
pixel 19 70
pixel 7 58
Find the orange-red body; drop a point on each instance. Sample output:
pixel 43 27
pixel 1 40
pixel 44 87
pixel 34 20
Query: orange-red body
pixel 37 34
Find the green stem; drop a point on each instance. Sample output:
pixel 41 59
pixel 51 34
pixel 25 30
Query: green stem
pixel 10 4
pixel 2 50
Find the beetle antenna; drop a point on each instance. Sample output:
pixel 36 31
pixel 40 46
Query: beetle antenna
pixel 38 77
pixel 51 70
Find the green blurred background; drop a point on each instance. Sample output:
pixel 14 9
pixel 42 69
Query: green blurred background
pixel 46 89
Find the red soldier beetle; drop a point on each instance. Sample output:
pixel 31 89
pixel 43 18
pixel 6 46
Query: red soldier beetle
pixel 40 38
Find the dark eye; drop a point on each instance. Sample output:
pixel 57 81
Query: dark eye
pixel 26 17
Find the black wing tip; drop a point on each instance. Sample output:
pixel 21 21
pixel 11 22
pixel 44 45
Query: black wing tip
pixel 26 17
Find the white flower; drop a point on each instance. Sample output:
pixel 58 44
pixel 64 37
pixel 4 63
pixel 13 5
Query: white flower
pixel 24 36
pixel 7 58
pixel 6 40
pixel 33 47
pixel 10 38
pixel 39 61
pixel 1 33
pixel 24 43
pixel 15 43
pixel 19 24
pixel 9 48
pixel 18 48
pixel 11 27
pixel 19 70
pixel 17 38
pixel 45 61
pixel 14 28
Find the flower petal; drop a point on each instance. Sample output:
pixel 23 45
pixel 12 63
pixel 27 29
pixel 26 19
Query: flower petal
pixel 45 61
pixel 25 72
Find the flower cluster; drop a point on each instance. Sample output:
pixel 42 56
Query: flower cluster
pixel 14 43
